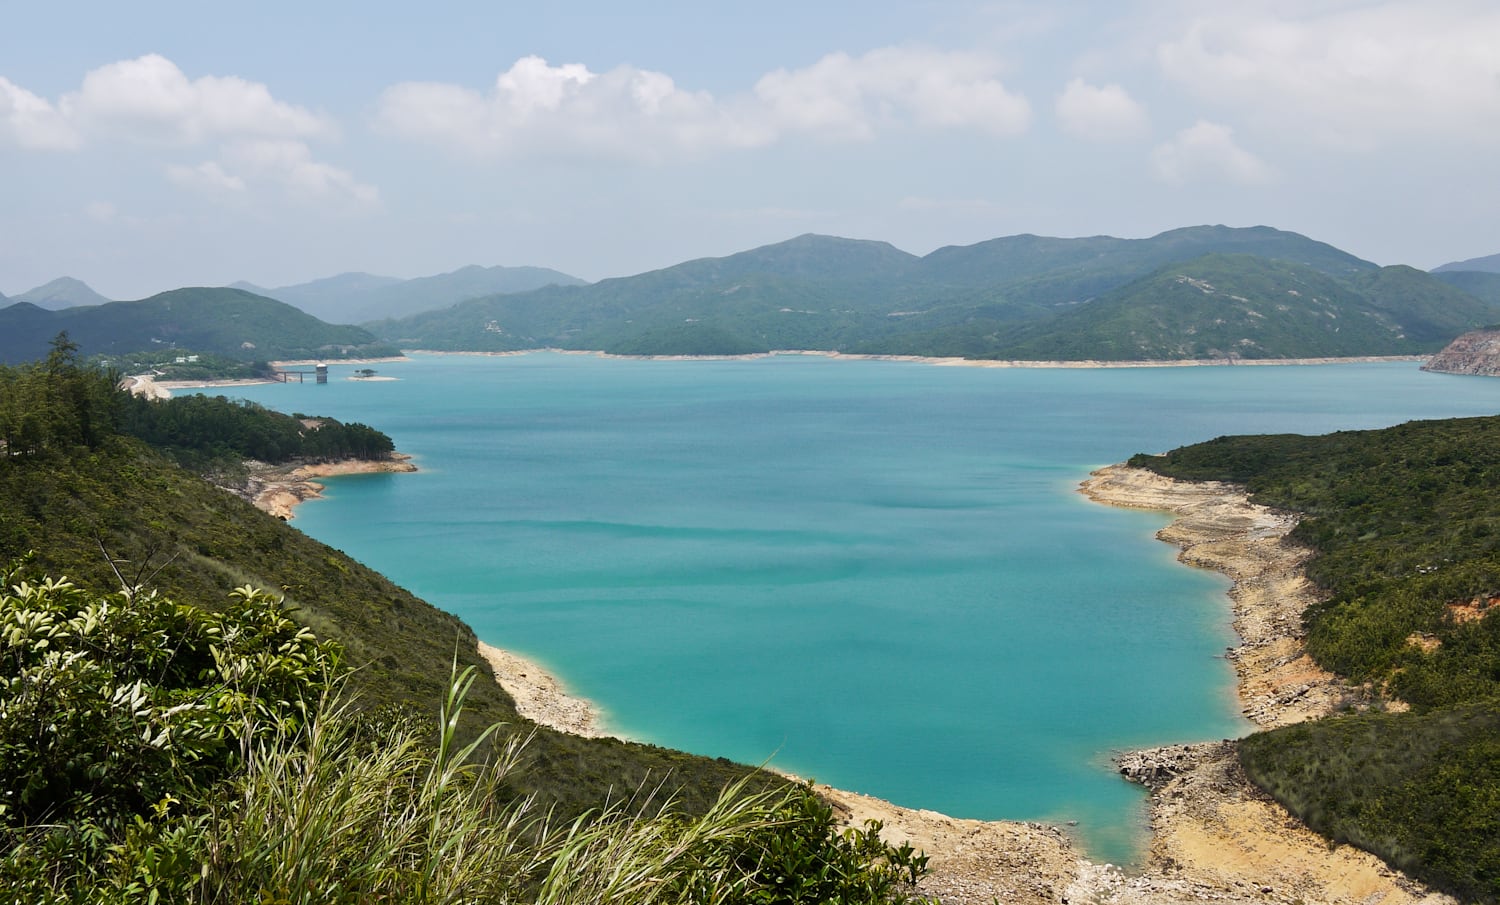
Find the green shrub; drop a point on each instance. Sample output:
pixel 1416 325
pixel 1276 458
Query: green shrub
pixel 153 752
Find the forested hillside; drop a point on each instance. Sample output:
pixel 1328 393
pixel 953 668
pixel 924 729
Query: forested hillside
pixel 1199 292
pixel 229 322
pixel 1405 523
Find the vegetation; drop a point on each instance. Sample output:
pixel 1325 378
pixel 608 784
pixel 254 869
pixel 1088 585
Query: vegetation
pixel 1405 523
pixel 228 322
pixel 90 500
pixel 183 364
pixel 155 752
pixel 1272 294
pixel 215 428
pixel 1480 284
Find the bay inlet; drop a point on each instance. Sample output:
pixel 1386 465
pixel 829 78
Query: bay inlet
pixel 878 574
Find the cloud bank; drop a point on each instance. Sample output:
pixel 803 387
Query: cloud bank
pixel 1358 76
pixel 535 107
pixel 149 102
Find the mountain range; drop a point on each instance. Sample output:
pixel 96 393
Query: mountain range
pixel 1196 292
pixel 354 298
pixel 1486 264
pixel 1202 292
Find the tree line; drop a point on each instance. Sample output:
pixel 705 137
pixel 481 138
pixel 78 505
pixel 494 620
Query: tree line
pixel 60 404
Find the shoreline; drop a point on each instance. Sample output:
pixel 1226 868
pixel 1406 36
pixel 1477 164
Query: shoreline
pixel 950 362
pixel 1213 835
pixel 278 489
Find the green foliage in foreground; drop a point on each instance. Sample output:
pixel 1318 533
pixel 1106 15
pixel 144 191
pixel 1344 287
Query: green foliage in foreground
pixel 1405 523
pixel 197 757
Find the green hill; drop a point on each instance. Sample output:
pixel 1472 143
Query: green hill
pixel 1239 306
pixel 228 322
pixel 1015 297
pixel 1478 283
pixel 1403 523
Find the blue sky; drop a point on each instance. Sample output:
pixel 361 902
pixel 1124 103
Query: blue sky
pixel 154 145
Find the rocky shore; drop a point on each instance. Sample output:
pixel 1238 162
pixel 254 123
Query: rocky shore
pixel 277 489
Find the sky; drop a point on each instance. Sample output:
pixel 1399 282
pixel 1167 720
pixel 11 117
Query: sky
pixel 153 145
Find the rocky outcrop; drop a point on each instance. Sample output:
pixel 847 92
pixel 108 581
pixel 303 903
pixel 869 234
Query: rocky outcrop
pixel 1476 352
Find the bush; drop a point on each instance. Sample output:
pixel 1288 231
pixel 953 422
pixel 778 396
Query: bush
pixel 153 752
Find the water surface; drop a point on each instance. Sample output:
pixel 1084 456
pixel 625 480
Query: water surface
pixel 878 574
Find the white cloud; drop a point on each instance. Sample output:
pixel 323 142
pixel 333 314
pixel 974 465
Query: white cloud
pixel 290 164
pixel 1355 75
pixel 1207 152
pixel 32 122
pixel 285 164
pixel 535 107
pixel 207 177
pixel 853 97
pixel 151 100
pixel 1096 113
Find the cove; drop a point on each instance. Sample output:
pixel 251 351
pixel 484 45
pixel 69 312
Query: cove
pixel 874 573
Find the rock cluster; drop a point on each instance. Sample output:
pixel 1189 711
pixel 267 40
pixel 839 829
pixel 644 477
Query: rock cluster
pixel 1476 352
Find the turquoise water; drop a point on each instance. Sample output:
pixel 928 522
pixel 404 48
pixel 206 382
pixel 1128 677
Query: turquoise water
pixel 878 574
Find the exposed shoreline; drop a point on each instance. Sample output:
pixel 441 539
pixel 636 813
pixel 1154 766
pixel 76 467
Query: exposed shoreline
pixel 1214 836
pixel 950 362
pixel 278 489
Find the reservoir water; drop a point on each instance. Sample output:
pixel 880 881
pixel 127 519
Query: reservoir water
pixel 878 574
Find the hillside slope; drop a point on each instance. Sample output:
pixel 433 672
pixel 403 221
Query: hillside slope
pixel 1486 264
pixel 1239 306
pixel 995 299
pixel 230 322
pixel 1407 561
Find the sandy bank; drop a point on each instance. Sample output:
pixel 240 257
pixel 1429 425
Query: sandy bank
pixel 1214 836
pixel 954 362
pixel 277 489
pixel 1211 828
pixel 540 696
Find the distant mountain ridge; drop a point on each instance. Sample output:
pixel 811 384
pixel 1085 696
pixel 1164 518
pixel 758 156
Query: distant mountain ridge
pixel 229 322
pixel 1478 283
pixel 355 298
pixel 1283 295
pixel 1487 264
pixel 63 292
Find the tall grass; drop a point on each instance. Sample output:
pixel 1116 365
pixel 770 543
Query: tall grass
pixel 338 812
